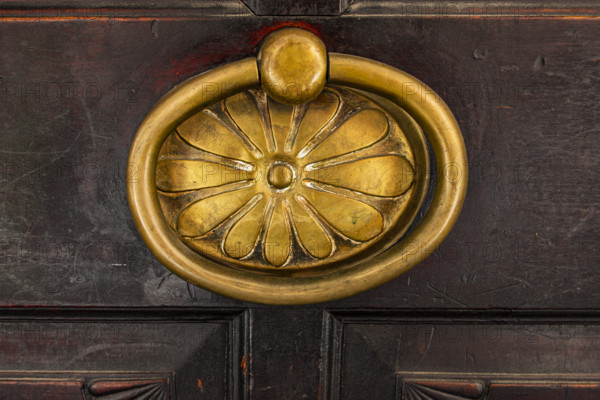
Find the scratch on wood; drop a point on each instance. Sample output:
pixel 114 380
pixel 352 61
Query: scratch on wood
pixel 427 346
pixel 444 295
pixel 243 365
pixel 162 280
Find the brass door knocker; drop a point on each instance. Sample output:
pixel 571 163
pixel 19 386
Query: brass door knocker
pixel 294 177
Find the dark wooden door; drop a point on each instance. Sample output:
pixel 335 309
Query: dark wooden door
pixel 506 308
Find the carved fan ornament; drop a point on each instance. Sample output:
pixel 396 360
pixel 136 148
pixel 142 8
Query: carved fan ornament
pixel 293 182
pixel 130 390
pixel 442 390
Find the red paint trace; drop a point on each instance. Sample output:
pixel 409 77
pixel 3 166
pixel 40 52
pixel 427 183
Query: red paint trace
pixel 259 35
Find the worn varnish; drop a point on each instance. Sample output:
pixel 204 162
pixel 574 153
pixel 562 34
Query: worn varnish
pixel 509 301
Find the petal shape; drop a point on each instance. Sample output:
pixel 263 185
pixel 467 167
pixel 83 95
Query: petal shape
pixel 206 214
pixel 242 237
pixel 277 243
pixel 173 175
pixel 320 111
pixel 172 203
pixel 312 236
pixel 352 218
pixel 389 175
pixel 175 147
pixel 281 121
pixel 206 132
pixel 357 132
pixel 243 111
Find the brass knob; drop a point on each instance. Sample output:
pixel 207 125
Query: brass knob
pixel 293 65
pixel 297 181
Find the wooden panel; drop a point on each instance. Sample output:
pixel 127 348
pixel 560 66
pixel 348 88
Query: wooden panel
pixel 303 8
pixel 415 9
pixel 544 391
pixel 106 351
pixel 34 390
pixel 525 238
pixel 497 387
pixel 78 386
pixel 368 351
pixel 118 9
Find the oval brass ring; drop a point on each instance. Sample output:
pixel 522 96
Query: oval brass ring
pixel 426 107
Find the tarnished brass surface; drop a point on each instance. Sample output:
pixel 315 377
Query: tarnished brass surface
pixel 294 201
pixel 335 190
